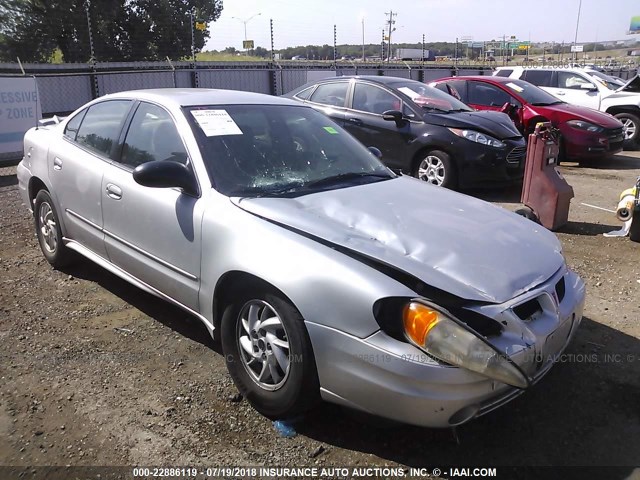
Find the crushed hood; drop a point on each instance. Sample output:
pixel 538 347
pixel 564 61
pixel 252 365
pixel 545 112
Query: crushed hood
pixel 632 85
pixel 459 244
pixel 496 124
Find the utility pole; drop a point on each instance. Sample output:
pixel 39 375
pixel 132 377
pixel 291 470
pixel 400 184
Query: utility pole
pixel 391 23
pixel 382 47
pixel 423 49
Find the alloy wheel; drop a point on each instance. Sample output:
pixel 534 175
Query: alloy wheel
pixel 264 345
pixel 432 170
pixel 47 225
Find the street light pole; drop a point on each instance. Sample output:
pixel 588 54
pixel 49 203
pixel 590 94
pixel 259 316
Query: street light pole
pixel 245 21
pixel 575 40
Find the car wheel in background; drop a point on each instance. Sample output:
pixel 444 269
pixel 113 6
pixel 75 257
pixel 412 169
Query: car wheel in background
pixel 436 168
pixel 631 129
pixel 48 231
pixel 269 354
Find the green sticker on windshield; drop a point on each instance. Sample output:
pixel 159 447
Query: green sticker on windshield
pixel 331 130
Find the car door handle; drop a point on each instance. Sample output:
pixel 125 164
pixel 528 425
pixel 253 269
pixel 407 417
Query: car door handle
pixel 355 121
pixel 57 164
pixel 559 93
pixel 114 191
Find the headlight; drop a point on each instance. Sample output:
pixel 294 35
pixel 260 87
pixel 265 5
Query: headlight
pixel 582 125
pixel 445 339
pixel 478 137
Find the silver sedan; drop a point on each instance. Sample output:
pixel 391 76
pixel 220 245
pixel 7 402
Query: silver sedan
pixel 324 274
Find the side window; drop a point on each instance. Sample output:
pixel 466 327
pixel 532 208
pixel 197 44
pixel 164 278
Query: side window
pixel 504 72
pixel 487 95
pixel 368 98
pixel 101 125
pixel 71 130
pixel 571 80
pixel 458 89
pixel 540 78
pixel 331 94
pixel 152 135
pixel 304 94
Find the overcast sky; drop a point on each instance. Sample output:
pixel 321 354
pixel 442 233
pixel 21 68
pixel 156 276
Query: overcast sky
pixel 310 22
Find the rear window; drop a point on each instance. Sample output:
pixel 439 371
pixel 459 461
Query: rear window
pixel 101 125
pixel 504 73
pixel 540 78
pixel 331 94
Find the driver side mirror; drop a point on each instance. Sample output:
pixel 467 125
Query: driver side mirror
pixel 166 174
pixel 589 86
pixel 509 108
pixel 376 152
pixel 394 116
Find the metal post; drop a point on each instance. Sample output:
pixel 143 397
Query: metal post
pixel 335 46
pixel 382 47
pixel 193 37
pixel 92 58
pixel 273 54
pixel 423 50
pixel 363 39
pixel 455 59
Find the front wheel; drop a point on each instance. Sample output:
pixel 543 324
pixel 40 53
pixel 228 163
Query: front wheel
pixel 436 168
pixel 630 129
pixel 49 232
pixel 269 354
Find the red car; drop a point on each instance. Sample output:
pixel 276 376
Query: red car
pixel 587 134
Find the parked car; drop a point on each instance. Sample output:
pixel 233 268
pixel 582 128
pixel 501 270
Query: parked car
pixel 586 134
pixel 420 130
pixel 578 87
pixel 324 274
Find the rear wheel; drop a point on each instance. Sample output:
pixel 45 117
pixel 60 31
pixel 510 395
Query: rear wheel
pixel 630 129
pixel 48 231
pixel 269 354
pixel 436 168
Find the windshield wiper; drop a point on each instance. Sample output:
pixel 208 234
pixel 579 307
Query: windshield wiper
pixel 275 192
pixel 426 107
pixel 544 104
pixel 346 176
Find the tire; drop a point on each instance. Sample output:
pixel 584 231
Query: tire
pixel 436 168
pixel 631 130
pixel 526 212
pixel 278 385
pixel 634 230
pixel 48 231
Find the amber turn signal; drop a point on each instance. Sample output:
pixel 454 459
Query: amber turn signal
pixel 418 320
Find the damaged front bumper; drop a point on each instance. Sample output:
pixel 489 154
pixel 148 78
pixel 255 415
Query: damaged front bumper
pixel 393 379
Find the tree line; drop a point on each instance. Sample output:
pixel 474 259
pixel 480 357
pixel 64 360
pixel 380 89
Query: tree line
pixel 121 30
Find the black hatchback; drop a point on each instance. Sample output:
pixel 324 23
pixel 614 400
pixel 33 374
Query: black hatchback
pixel 421 130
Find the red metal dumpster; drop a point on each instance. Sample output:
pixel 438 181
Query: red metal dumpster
pixel 544 189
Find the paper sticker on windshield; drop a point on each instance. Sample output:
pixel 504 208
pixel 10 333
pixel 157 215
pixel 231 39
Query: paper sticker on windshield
pixel 515 87
pixel 408 92
pixel 331 130
pixel 216 122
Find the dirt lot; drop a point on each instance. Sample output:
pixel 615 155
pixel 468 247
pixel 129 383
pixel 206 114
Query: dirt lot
pixel 96 372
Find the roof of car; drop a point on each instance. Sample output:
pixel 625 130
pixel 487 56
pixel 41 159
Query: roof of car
pixel 372 78
pixel 202 96
pixel 486 78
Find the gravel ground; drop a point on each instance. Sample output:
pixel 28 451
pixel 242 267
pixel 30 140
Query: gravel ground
pixel 96 372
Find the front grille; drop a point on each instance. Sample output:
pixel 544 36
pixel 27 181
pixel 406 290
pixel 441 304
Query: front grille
pixel 517 155
pixel 560 289
pixel 527 309
pixel 615 137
